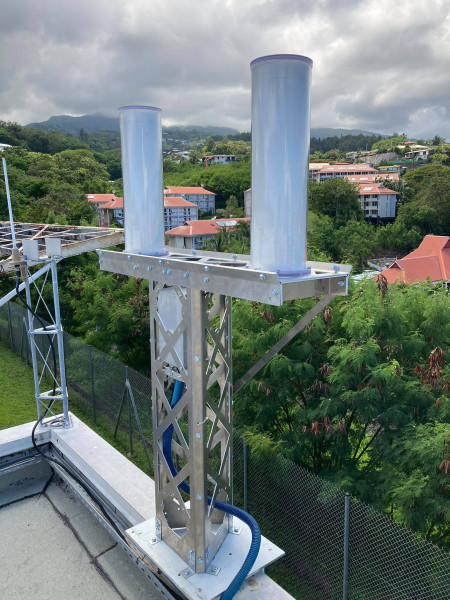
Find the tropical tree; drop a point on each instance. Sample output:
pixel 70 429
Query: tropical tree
pixel 337 198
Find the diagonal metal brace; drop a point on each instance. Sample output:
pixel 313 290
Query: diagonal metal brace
pixel 287 337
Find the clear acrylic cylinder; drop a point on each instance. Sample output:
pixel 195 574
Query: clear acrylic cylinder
pixel 280 162
pixel 141 143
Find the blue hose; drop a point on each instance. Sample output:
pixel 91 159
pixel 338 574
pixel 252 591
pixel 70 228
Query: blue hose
pixel 249 561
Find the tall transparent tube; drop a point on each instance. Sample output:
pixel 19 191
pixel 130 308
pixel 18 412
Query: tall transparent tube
pixel 141 142
pixel 280 156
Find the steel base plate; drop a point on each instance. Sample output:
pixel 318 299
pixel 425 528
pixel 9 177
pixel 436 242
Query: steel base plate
pixel 228 559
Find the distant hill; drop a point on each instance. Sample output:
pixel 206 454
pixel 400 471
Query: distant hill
pixel 324 132
pixel 66 124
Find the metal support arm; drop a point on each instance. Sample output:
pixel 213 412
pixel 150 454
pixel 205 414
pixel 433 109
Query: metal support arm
pixel 287 337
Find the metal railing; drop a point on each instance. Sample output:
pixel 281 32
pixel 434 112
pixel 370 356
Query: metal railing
pixel 336 546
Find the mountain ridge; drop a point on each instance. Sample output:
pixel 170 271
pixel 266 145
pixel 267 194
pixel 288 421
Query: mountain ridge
pixel 67 124
pixel 91 123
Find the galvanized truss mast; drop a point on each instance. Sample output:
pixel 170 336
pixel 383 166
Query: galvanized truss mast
pixel 190 328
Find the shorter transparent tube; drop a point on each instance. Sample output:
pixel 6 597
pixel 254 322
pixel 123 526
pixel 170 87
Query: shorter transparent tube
pixel 141 142
pixel 280 157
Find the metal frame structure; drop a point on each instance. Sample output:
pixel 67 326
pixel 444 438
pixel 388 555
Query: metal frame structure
pixel 191 342
pixel 74 240
pixel 43 240
pixel 202 421
pixel 45 399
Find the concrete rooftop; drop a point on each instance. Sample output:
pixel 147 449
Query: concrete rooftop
pixel 52 547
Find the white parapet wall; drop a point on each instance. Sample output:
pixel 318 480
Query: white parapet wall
pixel 131 494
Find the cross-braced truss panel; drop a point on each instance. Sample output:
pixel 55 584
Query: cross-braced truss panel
pixel 46 346
pixel 194 468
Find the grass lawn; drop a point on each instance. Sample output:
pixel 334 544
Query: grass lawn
pixel 17 402
pixel 18 406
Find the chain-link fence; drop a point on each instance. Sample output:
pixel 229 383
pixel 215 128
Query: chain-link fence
pixel 336 547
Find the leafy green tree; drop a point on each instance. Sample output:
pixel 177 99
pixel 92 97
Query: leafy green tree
pixel 395 239
pixel 418 179
pixel 390 144
pixel 344 396
pixel 429 210
pixel 437 141
pixel 336 198
pixel 79 166
pixel 440 158
pixel 356 243
pixel 233 240
pixel 62 203
pixel 195 157
pixel 111 312
pixel 232 209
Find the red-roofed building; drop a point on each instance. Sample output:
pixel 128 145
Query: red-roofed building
pixel 430 260
pixel 98 199
pixel 344 170
pixel 177 211
pixel 386 177
pixel 204 199
pixel 195 234
pixel 377 201
pixel 111 211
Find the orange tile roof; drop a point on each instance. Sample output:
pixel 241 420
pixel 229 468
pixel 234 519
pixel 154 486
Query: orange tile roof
pixel 431 259
pixel 176 189
pixel 95 198
pixel 366 189
pixel 205 227
pixel 114 204
pixel 171 202
pixel 177 201
pixel 370 177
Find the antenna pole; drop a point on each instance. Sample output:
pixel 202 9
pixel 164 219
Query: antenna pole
pixel 8 197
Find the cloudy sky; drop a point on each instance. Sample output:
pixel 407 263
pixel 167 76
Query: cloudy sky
pixel 379 65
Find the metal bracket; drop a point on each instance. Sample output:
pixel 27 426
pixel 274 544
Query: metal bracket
pixel 213 570
pixel 186 573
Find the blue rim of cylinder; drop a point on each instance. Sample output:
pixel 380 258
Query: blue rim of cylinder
pixel 139 108
pixel 298 57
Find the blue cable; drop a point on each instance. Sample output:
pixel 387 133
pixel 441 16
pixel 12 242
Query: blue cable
pixel 249 561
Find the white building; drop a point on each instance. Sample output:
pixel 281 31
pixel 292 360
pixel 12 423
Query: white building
pixel 419 152
pixel 177 211
pixel 204 199
pixel 386 177
pixel 315 168
pixel 344 170
pixel 219 159
pixel 196 234
pixel 377 202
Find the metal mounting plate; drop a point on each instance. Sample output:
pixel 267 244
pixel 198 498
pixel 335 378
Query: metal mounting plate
pixel 228 560
pixel 230 275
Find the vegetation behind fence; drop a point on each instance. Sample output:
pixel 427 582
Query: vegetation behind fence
pixel 336 547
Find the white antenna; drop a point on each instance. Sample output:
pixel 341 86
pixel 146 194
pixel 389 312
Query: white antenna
pixel 8 197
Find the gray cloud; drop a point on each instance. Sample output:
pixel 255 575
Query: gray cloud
pixel 377 66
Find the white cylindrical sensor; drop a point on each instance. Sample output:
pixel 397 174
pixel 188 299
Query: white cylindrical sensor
pixel 280 158
pixel 141 142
